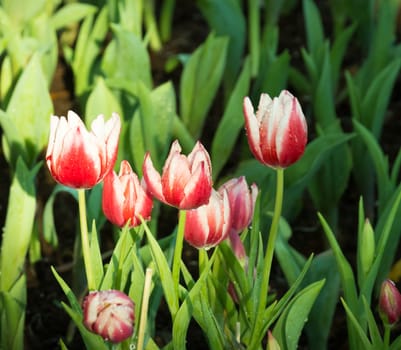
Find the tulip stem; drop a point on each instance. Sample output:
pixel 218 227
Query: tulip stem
pixel 144 308
pixel 267 263
pixel 178 250
pixel 387 331
pixel 85 239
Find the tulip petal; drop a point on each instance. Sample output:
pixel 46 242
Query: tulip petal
pixel 198 189
pixel 252 129
pixel 176 175
pixel 152 178
pixel 112 199
pixel 79 162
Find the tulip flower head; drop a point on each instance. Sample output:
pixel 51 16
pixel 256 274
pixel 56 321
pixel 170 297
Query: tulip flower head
pixel 109 313
pixel 186 181
pixel 277 134
pixel 242 202
pixel 78 158
pixel 209 224
pixel 125 198
pixel 390 302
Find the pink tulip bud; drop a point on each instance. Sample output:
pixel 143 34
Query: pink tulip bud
pixel 110 314
pixel 390 302
pixel 186 181
pixel 78 158
pixel 208 225
pixel 124 198
pixel 242 202
pixel 277 134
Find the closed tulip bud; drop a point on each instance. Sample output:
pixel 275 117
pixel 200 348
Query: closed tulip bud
pixel 272 343
pixel 124 198
pixel 366 248
pixel 78 158
pixel 242 202
pixel 277 134
pixel 110 314
pixel 390 302
pixel 186 181
pixel 208 225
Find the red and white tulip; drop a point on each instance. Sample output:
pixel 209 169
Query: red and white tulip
pixel 79 158
pixel 186 181
pixel 277 133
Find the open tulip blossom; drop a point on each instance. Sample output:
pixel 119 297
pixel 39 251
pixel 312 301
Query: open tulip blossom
pixel 277 134
pixel 186 181
pixel 209 224
pixel 124 198
pixel 78 158
pixel 109 313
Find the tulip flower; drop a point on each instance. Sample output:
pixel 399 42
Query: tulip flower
pixel 390 302
pixel 78 158
pixel 110 314
pixel 124 198
pixel 277 134
pixel 207 225
pixel 242 202
pixel 186 181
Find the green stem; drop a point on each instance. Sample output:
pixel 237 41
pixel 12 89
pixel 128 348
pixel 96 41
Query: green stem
pixel 85 239
pixel 166 19
pixel 267 263
pixel 387 331
pixel 176 269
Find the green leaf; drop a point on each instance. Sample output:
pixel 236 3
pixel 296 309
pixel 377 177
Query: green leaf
pixel 164 106
pixel 356 329
pixel 388 235
pixel 200 80
pixel 324 106
pixel 30 108
pixel 226 18
pixel 113 274
pixel 21 12
pixel 101 101
pixel 231 123
pixel 290 324
pixel 377 97
pixel 19 223
pixel 89 43
pixel 337 53
pixel 126 57
pixel 314 27
pixel 380 161
pixel 348 282
pixel 76 307
pixel 275 75
pixel 70 13
pixel 91 340
pixel 275 309
pixel 49 227
pixel 374 332
pixel 164 272
pixel 194 303
pixel 320 323
pixel 12 315
pixel 299 175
